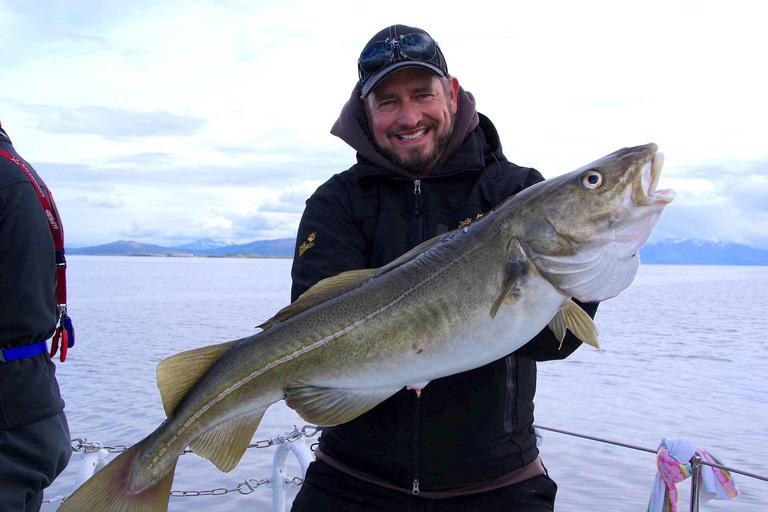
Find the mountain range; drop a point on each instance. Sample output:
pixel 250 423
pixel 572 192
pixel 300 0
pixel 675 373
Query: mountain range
pixel 279 248
pixel 668 252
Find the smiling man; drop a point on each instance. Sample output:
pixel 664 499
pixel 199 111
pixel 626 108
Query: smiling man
pixel 427 163
pixel 411 114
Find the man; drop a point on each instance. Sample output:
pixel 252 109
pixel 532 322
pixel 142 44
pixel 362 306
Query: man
pixel 34 437
pixel 427 163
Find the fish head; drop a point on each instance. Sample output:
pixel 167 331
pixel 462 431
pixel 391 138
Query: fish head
pixel 587 227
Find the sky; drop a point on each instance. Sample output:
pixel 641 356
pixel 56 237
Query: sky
pixel 169 121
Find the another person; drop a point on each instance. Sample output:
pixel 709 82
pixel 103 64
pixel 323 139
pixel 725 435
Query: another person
pixel 34 437
pixel 427 163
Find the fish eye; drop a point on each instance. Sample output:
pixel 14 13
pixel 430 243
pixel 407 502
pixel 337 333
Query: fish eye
pixel 592 180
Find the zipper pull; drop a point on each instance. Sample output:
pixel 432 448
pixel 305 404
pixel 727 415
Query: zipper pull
pixel 416 192
pixel 415 487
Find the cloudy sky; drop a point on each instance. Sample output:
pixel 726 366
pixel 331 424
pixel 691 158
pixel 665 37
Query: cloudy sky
pixel 170 121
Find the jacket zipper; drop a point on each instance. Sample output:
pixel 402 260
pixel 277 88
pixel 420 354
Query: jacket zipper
pixel 416 411
pixel 417 192
pixel 418 233
pixel 511 363
pixel 416 438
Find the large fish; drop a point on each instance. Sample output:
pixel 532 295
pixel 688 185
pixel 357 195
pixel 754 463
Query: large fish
pixel 456 302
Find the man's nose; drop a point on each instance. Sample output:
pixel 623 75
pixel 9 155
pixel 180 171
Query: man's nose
pixel 409 114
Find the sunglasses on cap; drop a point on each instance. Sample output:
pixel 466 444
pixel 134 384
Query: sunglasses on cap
pixel 416 47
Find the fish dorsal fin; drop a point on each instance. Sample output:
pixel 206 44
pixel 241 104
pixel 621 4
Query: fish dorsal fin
pixel 225 445
pixel 332 287
pixel 512 272
pixel 178 373
pixel 413 253
pixel 330 406
pixel 324 290
pixel 570 316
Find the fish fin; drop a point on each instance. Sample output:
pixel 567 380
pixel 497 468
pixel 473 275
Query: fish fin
pixel 557 325
pixel 413 253
pixel 577 321
pixel 178 373
pixel 512 272
pixel 324 290
pixel 225 445
pixel 332 287
pixel 109 490
pixel 327 407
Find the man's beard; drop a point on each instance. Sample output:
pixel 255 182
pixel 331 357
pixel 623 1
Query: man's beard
pixel 417 159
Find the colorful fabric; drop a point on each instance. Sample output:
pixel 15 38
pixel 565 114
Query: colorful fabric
pixel 673 461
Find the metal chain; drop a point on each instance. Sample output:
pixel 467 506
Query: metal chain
pixel 82 444
pixel 245 487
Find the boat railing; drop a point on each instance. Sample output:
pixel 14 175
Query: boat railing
pixel 94 457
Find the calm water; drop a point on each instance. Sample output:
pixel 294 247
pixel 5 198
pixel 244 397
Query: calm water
pixel 684 355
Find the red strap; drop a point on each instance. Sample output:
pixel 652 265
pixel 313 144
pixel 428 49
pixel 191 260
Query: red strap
pixel 53 223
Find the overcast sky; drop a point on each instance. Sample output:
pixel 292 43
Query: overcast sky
pixel 168 121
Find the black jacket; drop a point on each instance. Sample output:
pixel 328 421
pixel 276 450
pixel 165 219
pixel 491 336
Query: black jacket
pixel 466 428
pixel 28 388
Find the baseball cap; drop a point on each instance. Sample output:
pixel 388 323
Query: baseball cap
pixel 397 47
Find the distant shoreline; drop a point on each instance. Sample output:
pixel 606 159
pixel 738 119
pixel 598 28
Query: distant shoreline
pixel 180 255
pixel 669 252
pixel 263 257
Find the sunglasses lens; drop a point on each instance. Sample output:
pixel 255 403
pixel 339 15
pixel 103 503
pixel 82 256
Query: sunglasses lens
pixel 417 47
pixel 375 56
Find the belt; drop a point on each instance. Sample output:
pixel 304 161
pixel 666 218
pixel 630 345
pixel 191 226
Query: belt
pixel 12 354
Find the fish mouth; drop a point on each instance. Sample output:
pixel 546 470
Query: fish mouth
pixel 645 203
pixel 644 191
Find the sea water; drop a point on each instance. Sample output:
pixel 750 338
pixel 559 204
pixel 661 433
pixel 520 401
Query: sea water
pixel 683 355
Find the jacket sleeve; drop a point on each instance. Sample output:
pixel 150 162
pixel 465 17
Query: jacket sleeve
pixel 27 268
pixel 545 347
pixel 328 241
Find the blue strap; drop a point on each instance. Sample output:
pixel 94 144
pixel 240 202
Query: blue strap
pixel 12 354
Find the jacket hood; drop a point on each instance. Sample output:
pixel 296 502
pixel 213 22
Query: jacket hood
pixel 4 136
pixel 352 127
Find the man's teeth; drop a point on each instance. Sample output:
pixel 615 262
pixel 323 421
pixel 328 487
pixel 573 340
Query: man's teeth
pixel 416 135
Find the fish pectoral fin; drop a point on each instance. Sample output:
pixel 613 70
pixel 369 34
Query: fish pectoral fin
pixel 324 290
pixel 178 373
pixel 557 326
pixel 512 272
pixel 327 407
pixel 570 316
pixel 225 445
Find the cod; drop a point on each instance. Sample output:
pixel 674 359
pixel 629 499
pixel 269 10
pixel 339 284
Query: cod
pixel 456 302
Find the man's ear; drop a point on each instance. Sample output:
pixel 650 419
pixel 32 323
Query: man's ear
pixel 362 100
pixel 453 88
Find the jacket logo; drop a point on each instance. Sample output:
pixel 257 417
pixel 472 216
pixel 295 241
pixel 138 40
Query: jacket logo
pixel 310 243
pixel 466 222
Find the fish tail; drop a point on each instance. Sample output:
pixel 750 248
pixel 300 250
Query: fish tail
pixel 109 490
